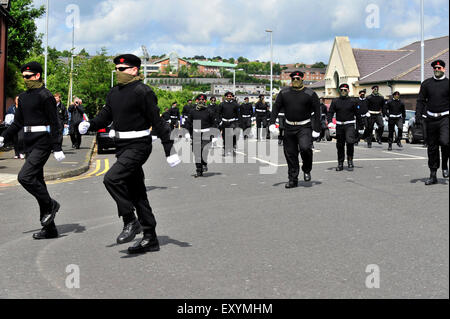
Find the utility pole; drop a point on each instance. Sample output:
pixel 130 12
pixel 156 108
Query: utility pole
pixel 422 42
pixel 146 57
pixel 46 44
pixel 271 68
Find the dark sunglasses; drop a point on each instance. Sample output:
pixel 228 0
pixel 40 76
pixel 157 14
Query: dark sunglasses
pixel 123 68
pixel 344 90
pixel 201 100
pixel 438 68
pixel 29 76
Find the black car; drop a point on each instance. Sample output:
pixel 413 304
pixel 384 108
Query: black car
pixel 415 132
pixel 104 141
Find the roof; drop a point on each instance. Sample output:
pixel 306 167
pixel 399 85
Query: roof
pixel 213 64
pixel 400 65
pixel 317 85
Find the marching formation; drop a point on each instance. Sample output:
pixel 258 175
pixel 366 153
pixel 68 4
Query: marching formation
pixel 297 119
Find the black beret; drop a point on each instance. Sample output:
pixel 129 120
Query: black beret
pixel 229 93
pixel 261 95
pixel 32 67
pixel 362 91
pixel 396 93
pixel 344 85
pixel 438 62
pixel 246 98
pixel 212 98
pixel 203 96
pixel 375 86
pixel 297 73
pixel 129 59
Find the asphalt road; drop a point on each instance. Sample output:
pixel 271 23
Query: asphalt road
pixel 238 233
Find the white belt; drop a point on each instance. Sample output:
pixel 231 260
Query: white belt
pixel 424 116
pixel 202 131
pixel 35 129
pixel 132 134
pixel 298 123
pixel 345 123
pixel 392 115
pixel 280 114
pixel 261 111
pixel 174 117
pixel 437 114
pixel 375 112
pixel 229 120
pixel 246 116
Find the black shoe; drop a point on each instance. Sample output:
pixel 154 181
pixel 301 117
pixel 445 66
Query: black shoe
pixel 379 141
pixel 291 185
pixel 73 145
pixel 307 177
pixel 198 174
pixel 129 232
pixel 357 143
pixel 149 243
pixel 432 180
pixel 399 144
pixel 445 173
pixel 390 147
pixel 49 217
pixel 205 168
pixel 369 145
pixel 340 167
pixel 350 164
pixel 280 142
pixel 46 233
pixel 425 145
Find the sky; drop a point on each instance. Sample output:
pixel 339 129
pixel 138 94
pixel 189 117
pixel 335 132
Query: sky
pixel 303 31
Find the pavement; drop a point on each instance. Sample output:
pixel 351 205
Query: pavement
pixel 76 162
pixel 238 233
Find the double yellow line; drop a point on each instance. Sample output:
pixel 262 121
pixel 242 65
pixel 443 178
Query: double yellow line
pixel 95 172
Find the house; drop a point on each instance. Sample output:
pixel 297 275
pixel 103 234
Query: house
pixel 391 70
pixel 5 20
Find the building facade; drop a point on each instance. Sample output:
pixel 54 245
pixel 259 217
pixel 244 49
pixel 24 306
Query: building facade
pixel 5 20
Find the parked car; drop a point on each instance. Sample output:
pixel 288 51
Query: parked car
pixel 104 141
pixel 415 133
pixel 409 114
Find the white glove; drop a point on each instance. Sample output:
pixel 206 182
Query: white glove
pixel 368 114
pixel 361 132
pixel 315 134
pixel 187 136
pixel 84 127
pixel 112 133
pixel 2 140
pixel 273 129
pixel 173 160
pixel 154 138
pixel 214 140
pixel 59 156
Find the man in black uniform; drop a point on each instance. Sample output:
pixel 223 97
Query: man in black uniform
pixel 246 113
pixel 434 98
pixel 396 112
pixel 174 116
pixel 63 115
pixel 36 115
pixel 364 115
pixel 133 108
pixel 229 115
pixel 215 109
pixel 166 116
pixel 347 116
pixel 376 105
pixel 186 109
pixel 199 123
pixel 323 119
pixel 261 109
pixel 298 103
pixel 76 111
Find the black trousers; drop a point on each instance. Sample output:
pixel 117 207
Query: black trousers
pixel 393 122
pixel 261 122
pixel 31 177
pixel 445 156
pixel 438 134
pixel 375 118
pixel 345 134
pixel 18 143
pixel 75 136
pixel 173 124
pixel 200 146
pixel 125 182
pixel 230 135
pixel 246 123
pixel 364 125
pixel 298 139
pixel 424 131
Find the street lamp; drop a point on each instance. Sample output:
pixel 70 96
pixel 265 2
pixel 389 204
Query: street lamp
pixel 234 79
pixel 46 45
pixel 112 78
pixel 271 67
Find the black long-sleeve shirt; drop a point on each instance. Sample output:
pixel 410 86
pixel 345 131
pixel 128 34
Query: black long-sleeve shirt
pixel 76 112
pixel 63 115
pixel 186 109
pixel 205 116
pixel 363 106
pixel 261 109
pixel 395 107
pixel 246 109
pixel 133 107
pixel 433 96
pixel 37 107
pixel 346 110
pixel 375 103
pixel 174 112
pixel 298 106
pixel 228 110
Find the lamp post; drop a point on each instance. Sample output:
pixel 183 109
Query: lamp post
pixel 112 78
pixel 271 67
pixel 46 44
pixel 422 42
pixel 234 79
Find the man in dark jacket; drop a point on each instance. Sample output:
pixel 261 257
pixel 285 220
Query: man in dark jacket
pixel 63 114
pixel 76 111
pixel 396 112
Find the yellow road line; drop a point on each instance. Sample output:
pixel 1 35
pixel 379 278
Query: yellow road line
pixel 97 168
pixel 106 168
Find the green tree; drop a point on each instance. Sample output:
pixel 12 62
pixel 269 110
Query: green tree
pixel 319 65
